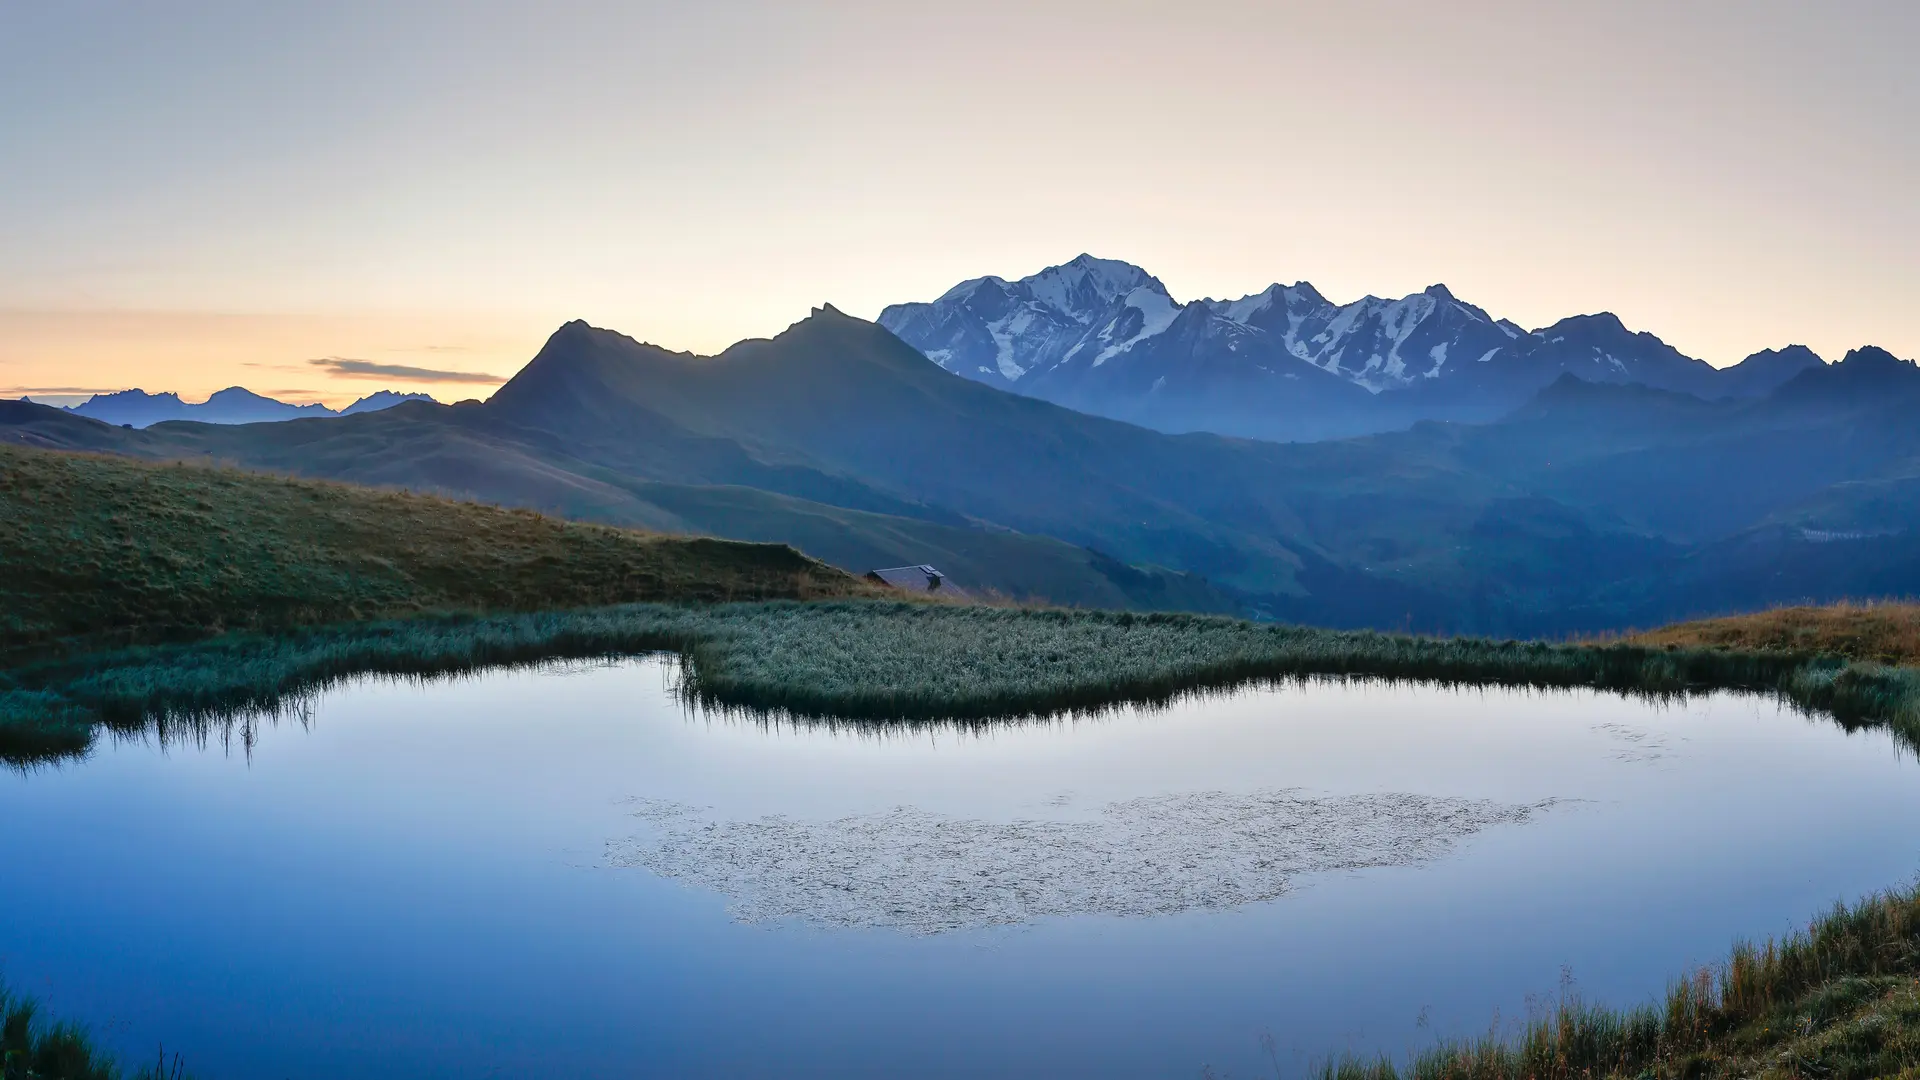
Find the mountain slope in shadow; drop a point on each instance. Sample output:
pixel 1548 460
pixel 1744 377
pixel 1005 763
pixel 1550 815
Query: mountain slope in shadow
pixel 459 453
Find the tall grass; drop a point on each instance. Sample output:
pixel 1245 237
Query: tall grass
pixel 31 1049
pixel 1840 999
pixel 884 661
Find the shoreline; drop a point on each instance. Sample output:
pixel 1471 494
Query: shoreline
pixel 878 661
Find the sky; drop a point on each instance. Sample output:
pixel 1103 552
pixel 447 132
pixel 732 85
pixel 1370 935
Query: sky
pixel 321 200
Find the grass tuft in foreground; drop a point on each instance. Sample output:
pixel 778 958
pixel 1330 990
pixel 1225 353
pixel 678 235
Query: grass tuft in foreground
pixel 33 1050
pixel 1839 1001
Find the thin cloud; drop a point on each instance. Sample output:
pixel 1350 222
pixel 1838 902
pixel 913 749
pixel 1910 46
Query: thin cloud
pixel 348 368
pixel 58 390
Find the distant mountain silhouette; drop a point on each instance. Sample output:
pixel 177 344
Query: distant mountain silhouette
pixel 381 399
pixel 1763 372
pixel 234 405
pixel 1285 363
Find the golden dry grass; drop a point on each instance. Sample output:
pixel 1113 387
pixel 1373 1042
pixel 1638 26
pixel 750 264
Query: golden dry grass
pixel 1886 632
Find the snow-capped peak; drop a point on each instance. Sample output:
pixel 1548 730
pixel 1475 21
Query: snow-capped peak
pixel 969 287
pixel 1048 334
pixel 1295 298
pixel 1084 287
pixel 1247 306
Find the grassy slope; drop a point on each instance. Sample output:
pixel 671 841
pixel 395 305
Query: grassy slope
pixel 442 451
pixel 104 551
pixel 1887 633
pixel 1009 564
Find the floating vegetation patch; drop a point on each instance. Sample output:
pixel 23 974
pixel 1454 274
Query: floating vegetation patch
pixel 919 872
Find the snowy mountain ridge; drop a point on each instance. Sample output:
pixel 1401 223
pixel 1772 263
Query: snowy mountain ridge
pixel 1106 337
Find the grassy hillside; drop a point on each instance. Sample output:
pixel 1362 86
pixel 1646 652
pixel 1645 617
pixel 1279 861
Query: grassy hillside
pixel 102 550
pixel 452 452
pixel 987 561
pixel 1883 632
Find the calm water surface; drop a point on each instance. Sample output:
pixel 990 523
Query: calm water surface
pixel 563 873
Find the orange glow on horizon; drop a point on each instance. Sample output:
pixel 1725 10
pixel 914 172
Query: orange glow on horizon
pixel 331 359
pixel 693 174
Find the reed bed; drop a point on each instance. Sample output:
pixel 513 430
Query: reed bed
pixel 880 662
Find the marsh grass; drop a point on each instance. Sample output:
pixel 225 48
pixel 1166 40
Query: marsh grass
pixel 32 1049
pixel 1840 1000
pixel 890 662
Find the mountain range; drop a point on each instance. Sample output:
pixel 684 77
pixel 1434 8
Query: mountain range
pixel 1590 505
pixel 234 405
pixel 1286 363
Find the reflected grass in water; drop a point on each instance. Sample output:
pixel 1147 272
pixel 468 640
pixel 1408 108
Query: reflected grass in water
pixel 1840 999
pixel 876 661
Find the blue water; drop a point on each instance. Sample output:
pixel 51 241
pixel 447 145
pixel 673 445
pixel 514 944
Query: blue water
pixel 422 880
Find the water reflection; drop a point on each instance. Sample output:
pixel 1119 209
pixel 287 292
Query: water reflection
pixel 238 728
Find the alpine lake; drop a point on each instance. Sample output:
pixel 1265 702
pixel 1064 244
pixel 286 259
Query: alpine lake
pixel 569 871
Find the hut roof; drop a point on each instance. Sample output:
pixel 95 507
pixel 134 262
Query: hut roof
pixel 920 578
